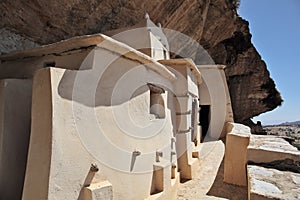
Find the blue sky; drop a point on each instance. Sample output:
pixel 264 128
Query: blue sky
pixel 275 29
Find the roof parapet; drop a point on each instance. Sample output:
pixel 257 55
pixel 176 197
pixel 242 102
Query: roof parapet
pixel 185 61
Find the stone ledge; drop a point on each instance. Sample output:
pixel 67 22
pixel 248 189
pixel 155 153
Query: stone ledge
pixel 267 149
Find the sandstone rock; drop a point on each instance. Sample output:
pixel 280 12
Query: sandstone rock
pixel 264 183
pixel 213 23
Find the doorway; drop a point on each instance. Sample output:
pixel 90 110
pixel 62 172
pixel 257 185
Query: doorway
pixel 204 120
pixel 194 122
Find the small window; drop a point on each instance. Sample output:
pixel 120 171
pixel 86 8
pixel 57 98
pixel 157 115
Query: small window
pixel 49 64
pixel 157 104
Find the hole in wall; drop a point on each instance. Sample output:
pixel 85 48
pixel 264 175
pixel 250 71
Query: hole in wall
pixel 49 64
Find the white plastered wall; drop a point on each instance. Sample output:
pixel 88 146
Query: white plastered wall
pixel 15 109
pixel 214 92
pixel 137 38
pixel 74 132
pixel 185 90
pixel 158 51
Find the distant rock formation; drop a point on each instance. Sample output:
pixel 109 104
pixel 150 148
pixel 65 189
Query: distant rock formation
pixel 295 123
pixel 213 23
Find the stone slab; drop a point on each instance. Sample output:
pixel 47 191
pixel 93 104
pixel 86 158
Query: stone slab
pixel 267 183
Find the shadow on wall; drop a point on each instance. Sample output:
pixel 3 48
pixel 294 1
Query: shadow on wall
pixel 225 190
pixel 77 86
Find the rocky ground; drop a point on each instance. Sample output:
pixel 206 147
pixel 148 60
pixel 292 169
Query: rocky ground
pixel 289 132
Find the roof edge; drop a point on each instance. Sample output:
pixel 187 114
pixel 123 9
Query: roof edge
pixel 185 61
pixel 85 41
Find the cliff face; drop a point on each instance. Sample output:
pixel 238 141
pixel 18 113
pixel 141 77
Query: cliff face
pixel 212 23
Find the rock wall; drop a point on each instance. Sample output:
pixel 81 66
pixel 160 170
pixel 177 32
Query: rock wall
pixel 213 23
pixel 10 41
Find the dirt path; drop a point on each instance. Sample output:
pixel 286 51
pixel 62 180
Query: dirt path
pixel 208 184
